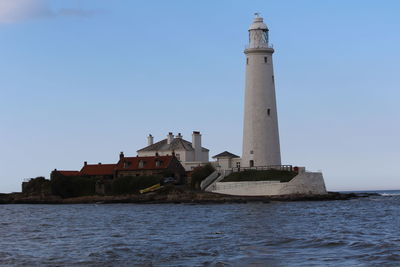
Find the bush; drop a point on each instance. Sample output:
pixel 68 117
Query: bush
pixel 199 174
pixel 255 175
pixel 72 186
pixel 132 184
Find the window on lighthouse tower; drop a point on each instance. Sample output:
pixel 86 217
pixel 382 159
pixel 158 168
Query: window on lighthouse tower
pixel 265 59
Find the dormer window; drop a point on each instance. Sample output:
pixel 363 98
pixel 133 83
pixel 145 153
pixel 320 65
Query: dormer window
pixel 127 164
pixel 141 163
pixel 158 163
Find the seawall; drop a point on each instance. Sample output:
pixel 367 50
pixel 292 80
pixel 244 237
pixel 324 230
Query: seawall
pixel 305 183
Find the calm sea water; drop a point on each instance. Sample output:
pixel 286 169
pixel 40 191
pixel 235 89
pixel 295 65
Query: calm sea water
pixel 361 232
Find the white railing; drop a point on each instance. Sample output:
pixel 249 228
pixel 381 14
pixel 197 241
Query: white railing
pixel 208 181
pixel 264 168
pixel 259 46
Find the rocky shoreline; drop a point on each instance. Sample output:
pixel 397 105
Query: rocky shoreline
pixel 173 195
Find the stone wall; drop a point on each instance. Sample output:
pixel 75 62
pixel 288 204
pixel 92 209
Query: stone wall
pixel 309 183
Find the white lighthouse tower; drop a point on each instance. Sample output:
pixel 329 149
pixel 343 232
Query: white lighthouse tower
pixel 260 132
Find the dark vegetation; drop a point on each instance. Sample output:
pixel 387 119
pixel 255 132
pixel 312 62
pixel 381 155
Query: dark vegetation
pixel 37 186
pixel 72 186
pixel 265 175
pixel 132 184
pixel 199 174
pixel 78 186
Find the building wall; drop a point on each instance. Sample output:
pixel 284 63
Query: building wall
pixel 224 163
pixel 190 166
pixel 309 183
pixel 175 168
pixel 185 157
pixel 139 173
pixel 227 163
pixel 205 156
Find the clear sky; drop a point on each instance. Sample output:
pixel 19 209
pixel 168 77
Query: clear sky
pixel 82 80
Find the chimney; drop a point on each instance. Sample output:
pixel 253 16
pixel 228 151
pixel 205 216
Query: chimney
pixel 179 135
pixel 170 137
pixel 150 140
pixel 121 155
pixel 85 163
pixel 196 144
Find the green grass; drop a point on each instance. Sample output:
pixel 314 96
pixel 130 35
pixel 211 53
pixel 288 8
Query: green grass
pixel 254 175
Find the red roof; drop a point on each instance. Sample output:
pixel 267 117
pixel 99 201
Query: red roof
pixel 98 169
pixel 149 163
pixel 69 173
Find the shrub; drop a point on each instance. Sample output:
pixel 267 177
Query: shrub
pixel 132 184
pixel 72 186
pixel 199 174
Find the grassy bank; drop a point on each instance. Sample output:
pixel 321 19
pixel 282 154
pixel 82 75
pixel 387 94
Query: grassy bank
pixel 264 175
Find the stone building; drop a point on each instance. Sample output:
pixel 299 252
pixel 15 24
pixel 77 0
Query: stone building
pixel 163 166
pixel 130 166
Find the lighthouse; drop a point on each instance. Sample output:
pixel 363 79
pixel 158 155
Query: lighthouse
pixel 260 130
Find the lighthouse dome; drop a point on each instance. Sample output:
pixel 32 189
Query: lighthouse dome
pixel 258 24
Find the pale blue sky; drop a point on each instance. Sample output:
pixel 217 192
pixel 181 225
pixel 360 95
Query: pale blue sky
pixel 84 80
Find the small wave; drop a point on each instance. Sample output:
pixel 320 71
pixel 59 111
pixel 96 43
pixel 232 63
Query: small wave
pixel 390 194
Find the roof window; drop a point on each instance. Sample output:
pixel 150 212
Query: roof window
pixel 141 163
pixel 158 163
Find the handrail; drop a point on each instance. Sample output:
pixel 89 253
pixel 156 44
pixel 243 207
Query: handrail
pixel 209 180
pixel 264 45
pixel 264 168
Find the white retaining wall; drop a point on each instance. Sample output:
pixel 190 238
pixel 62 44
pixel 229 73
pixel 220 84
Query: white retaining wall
pixel 310 183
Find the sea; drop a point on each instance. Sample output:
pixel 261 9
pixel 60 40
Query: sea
pixel 358 232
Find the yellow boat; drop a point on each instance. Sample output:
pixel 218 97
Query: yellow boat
pixel 151 188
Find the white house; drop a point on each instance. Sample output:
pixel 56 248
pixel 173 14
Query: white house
pixel 190 154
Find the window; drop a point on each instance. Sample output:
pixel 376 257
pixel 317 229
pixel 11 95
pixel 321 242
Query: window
pixel 127 164
pixel 269 112
pixel 265 59
pixel 238 164
pixel 158 163
pixel 251 152
pixel 251 163
pixel 273 78
pixel 247 60
pixel 178 156
pixel 141 163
